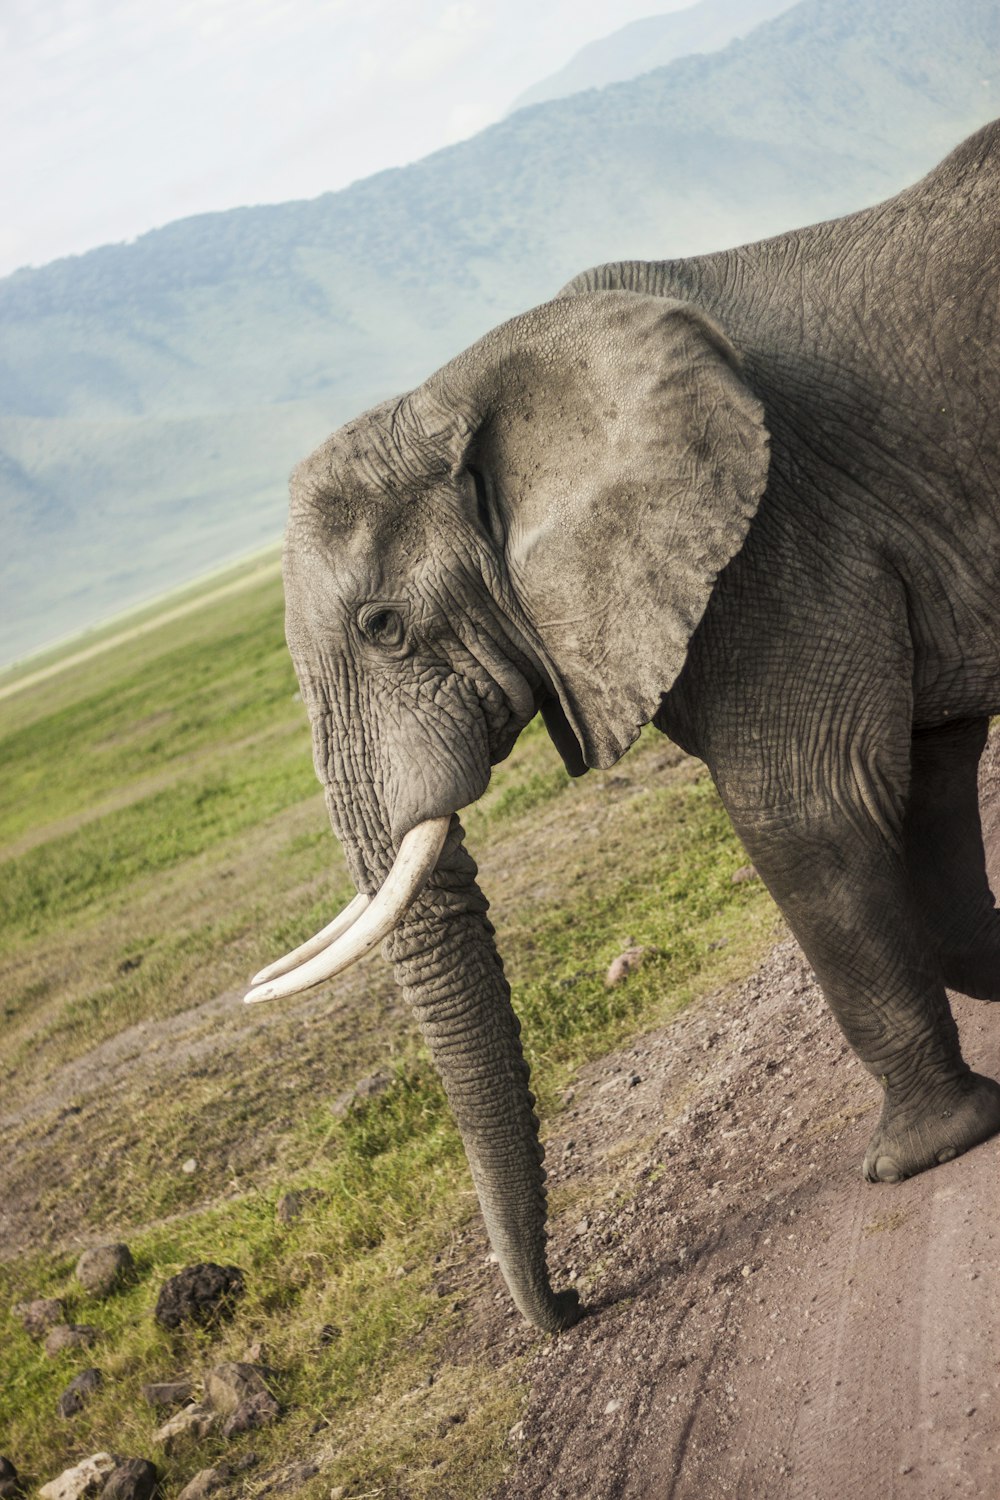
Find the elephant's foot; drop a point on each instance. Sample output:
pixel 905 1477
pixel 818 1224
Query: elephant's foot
pixel 910 1138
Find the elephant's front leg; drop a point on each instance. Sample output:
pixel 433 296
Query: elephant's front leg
pixel 832 855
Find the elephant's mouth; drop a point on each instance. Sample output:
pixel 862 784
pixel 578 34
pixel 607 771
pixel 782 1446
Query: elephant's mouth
pixel 362 924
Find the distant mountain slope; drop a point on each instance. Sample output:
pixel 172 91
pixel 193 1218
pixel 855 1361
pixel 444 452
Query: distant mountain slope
pixel 153 396
pixel 652 42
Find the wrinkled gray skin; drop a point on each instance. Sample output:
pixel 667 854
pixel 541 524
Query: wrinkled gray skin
pixel 751 497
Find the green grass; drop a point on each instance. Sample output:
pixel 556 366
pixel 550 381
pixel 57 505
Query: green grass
pixel 164 836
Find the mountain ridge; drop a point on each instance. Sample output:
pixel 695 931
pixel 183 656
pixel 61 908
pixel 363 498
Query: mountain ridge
pixel 651 42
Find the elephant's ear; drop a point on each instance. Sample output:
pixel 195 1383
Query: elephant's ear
pixel 626 457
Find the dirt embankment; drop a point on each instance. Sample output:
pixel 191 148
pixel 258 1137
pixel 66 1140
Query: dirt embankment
pixel 764 1324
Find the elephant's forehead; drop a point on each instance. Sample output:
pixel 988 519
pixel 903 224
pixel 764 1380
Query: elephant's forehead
pixel 327 571
pixel 349 477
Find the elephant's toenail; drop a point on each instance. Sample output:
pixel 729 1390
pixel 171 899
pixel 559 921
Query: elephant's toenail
pixel 886 1170
pixel 948 1154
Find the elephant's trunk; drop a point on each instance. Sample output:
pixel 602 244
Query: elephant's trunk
pixel 451 972
pixel 441 943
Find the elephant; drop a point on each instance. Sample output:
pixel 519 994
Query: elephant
pixel 749 498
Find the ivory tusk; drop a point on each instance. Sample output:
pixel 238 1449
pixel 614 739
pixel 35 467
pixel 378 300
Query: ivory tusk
pixel 323 939
pixel 418 854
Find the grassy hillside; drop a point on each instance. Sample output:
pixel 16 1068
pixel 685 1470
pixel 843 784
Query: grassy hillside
pixel 161 836
pixel 153 396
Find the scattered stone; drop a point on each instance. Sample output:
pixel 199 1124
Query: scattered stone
pixel 375 1083
pixel 206 1482
pixel 614 1405
pixel 255 1411
pixel 79 1391
pixel 133 1479
pixel 189 1166
pixel 105 1268
pixel 453 1419
pixel 69 1336
pixel 366 1088
pixel 622 966
pixel 743 874
pixel 228 1384
pixel 87 1478
pixel 292 1204
pixel 41 1315
pixel 167 1393
pixel 195 1421
pixel 201 1293
pixel 10 1485
pixel 256 1354
pixel 297 1474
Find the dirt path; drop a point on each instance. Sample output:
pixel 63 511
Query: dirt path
pixel 764 1324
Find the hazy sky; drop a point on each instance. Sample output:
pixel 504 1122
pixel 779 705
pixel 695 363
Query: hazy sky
pixel 119 115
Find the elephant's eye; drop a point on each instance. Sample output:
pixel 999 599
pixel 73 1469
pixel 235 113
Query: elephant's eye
pixel 384 627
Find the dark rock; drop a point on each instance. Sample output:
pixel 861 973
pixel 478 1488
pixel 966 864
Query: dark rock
pixel 202 1293
pixel 105 1268
pixel 228 1384
pixel 10 1485
pixel 41 1315
pixel 79 1391
pixel 256 1411
pixel 134 1479
pixel 206 1482
pixel 167 1393
pixel 69 1336
pixel 292 1204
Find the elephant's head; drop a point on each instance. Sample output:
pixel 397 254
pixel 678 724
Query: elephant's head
pixel 539 525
